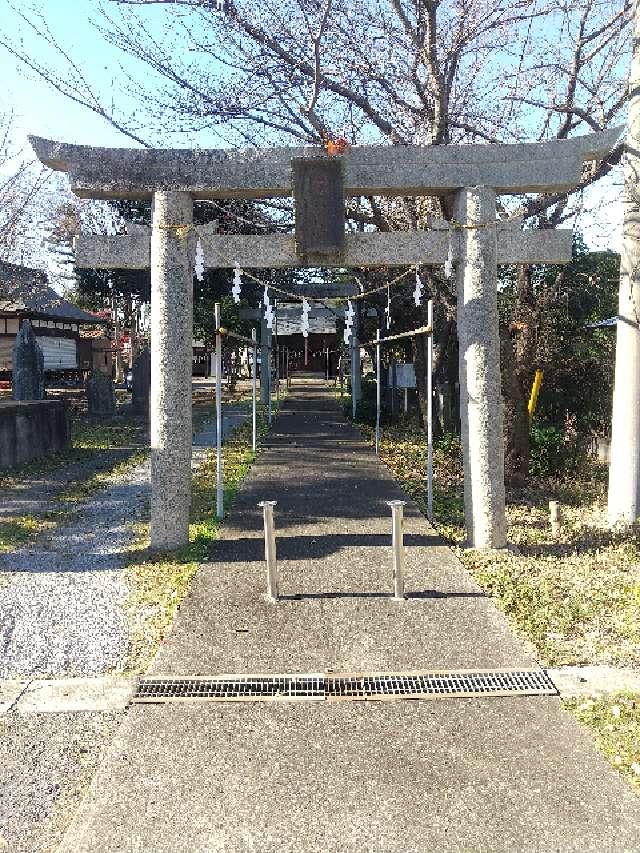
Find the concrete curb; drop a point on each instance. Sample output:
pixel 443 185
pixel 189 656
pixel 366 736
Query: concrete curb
pixel 64 695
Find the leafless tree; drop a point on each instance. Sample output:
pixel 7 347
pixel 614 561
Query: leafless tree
pixel 21 184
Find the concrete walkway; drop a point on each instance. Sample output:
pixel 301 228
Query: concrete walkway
pixel 501 774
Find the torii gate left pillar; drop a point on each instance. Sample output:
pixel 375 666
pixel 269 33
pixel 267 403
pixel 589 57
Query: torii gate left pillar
pixel 171 368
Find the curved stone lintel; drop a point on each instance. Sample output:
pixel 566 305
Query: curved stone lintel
pixel 368 170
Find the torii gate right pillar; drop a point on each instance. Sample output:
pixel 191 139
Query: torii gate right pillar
pixel 479 366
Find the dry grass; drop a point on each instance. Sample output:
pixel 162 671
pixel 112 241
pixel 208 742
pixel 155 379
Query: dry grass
pixel 615 723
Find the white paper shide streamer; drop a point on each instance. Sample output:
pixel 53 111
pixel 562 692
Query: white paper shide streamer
pixel 268 308
pixel 198 265
pixel 448 264
pixel 236 290
pixel 417 293
pixel 305 317
pixel 349 314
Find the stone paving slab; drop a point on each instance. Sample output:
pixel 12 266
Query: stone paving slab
pixel 579 681
pixel 496 774
pixel 10 691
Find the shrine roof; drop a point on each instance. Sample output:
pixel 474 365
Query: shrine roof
pixel 26 291
pixel 322 321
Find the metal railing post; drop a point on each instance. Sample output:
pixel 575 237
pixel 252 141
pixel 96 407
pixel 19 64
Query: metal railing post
pixel 219 472
pixel 254 392
pixel 269 384
pixel 270 549
pixel 377 390
pixel 397 545
pixel 430 412
pixel 354 401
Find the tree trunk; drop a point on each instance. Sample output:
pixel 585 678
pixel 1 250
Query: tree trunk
pixel 518 356
pixel 419 348
pixel 516 416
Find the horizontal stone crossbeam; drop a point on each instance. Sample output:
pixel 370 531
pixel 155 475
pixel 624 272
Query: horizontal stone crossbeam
pixel 388 170
pixel 277 251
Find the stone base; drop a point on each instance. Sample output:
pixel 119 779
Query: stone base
pixel 32 429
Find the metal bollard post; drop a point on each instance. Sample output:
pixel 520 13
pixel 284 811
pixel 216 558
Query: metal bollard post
pixel 397 544
pixel 219 461
pixel 270 549
pixel 254 394
pixel 378 397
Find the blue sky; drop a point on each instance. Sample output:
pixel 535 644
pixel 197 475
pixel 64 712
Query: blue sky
pixel 40 110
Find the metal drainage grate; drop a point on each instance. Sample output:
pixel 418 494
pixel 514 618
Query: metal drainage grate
pixel 319 687
pixel 231 688
pixel 430 685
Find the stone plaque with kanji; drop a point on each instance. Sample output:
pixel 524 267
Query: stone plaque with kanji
pixel 318 190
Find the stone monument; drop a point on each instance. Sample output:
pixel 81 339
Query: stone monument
pixel 101 395
pixel 141 382
pixel 28 365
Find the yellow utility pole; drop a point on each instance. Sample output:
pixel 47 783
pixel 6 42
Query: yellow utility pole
pixel 535 390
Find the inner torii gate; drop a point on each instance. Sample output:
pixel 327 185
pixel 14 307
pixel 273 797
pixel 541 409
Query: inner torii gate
pixel 473 174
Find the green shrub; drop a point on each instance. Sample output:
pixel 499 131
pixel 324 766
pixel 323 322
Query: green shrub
pixel 552 454
pixel 449 444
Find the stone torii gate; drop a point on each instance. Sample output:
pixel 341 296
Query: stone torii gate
pixel 473 174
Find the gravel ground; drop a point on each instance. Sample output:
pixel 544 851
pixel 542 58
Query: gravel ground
pixel 46 763
pixel 61 605
pixel 61 612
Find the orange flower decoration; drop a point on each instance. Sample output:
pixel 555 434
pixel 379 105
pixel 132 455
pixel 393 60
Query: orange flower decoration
pixel 335 147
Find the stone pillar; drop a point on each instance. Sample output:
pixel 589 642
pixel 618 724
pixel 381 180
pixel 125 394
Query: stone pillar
pixel 624 467
pixel 171 367
pixel 479 365
pixel 101 397
pixel 141 390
